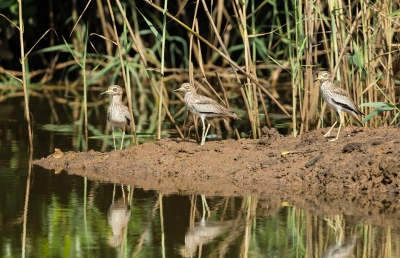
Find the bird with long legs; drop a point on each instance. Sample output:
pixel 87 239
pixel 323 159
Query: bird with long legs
pixel 337 99
pixel 117 113
pixel 203 107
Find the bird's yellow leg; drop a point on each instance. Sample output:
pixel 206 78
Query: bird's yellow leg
pixel 340 126
pixel 205 207
pixel 115 148
pixel 203 140
pixel 123 135
pixel 329 132
pixel 205 135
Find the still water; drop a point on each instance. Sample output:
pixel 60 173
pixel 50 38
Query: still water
pixel 48 214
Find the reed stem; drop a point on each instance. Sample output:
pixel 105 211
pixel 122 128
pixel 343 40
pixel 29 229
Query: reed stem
pixel 83 67
pixel 226 57
pixel 143 58
pixel 128 92
pixel 24 77
pixel 162 71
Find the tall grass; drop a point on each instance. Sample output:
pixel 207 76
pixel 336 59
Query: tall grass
pixel 124 72
pixel 225 55
pixel 164 24
pixel 260 56
pixel 24 76
pixel 80 54
pixel 357 47
pixel 25 80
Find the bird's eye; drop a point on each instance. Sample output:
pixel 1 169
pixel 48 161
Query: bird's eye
pixel 187 87
pixel 115 89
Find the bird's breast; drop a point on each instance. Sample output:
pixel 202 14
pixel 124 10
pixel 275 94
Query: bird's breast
pixel 116 116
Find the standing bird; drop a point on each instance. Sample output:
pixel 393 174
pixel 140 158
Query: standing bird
pixel 337 99
pixel 203 107
pixel 117 113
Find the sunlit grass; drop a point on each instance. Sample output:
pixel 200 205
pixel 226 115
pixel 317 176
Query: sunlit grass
pixel 264 54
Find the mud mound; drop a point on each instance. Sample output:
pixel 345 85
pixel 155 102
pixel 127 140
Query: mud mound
pixel 308 171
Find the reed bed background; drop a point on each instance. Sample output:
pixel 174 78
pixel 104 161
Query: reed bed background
pixel 257 57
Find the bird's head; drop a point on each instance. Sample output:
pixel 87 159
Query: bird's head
pixel 323 76
pixel 186 87
pixel 113 90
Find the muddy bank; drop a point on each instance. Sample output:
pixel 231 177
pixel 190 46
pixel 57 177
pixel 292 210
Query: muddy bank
pixel 358 174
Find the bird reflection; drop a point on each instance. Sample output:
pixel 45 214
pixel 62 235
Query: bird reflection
pixel 203 232
pixel 118 217
pixel 341 249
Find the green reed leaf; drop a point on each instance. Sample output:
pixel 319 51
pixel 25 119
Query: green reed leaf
pixel 152 28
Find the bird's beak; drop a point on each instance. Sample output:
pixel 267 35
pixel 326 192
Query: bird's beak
pixel 177 90
pixel 317 79
pixel 106 92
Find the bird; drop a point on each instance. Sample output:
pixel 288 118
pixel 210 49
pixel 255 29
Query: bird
pixel 203 107
pixel 343 248
pixel 338 100
pixel 117 113
pixel 118 216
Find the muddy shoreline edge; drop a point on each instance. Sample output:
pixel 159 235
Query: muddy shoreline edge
pixel 357 174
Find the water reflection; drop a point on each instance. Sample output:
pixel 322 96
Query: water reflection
pixel 203 233
pixel 113 220
pixel 118 216
pixel 341 249
pixel 206 231
pixel 43 214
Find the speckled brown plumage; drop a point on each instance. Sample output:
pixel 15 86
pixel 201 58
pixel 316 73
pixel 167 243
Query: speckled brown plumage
pixel 203 107
pixel 337 99
pixel 117 113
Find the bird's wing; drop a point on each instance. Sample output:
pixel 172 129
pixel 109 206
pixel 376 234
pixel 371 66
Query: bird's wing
pixel 343 99
pixel 127 115
pixel 108 114
pixel 207 105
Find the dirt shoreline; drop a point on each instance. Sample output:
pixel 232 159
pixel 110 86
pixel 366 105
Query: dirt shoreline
pixel 358 174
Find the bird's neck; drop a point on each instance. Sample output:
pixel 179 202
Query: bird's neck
pixel 324 84
pixel 191 93
pixel 117 99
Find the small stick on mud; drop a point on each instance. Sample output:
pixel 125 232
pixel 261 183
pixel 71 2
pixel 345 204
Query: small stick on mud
pixel 313 161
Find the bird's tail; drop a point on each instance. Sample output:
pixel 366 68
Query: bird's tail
pixel 355 116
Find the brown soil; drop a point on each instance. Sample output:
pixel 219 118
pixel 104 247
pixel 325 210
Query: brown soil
pixel 356 175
